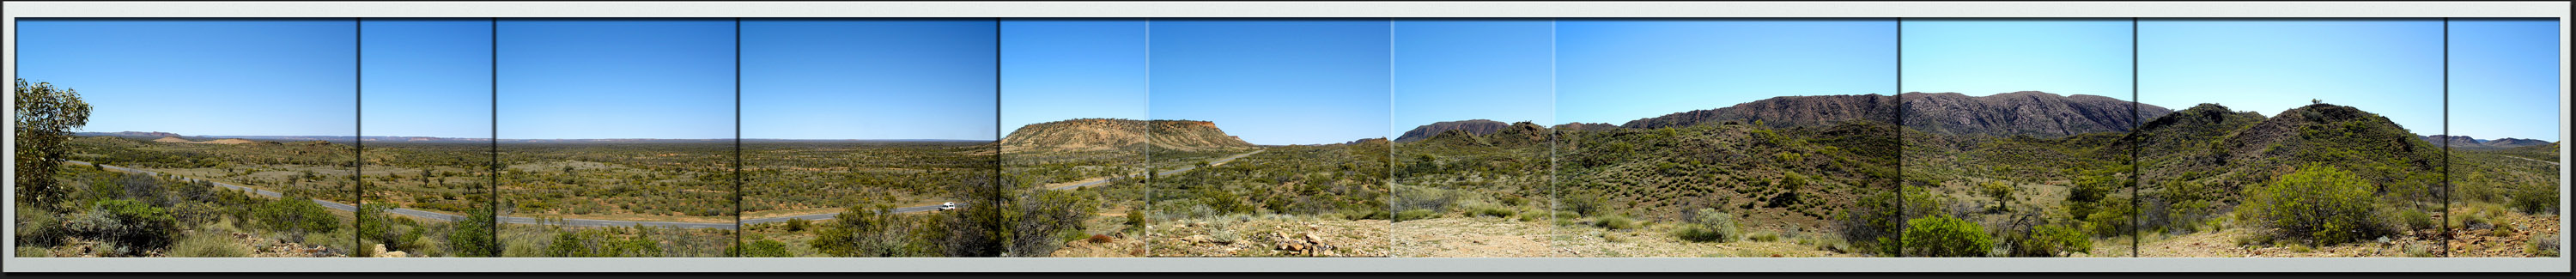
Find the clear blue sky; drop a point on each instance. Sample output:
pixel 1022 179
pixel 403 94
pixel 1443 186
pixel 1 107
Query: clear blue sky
pixel 1448 70
pixel 868 79
pixel 427 77
pixel 201 77
pixel 1067 69
pixel 590 79
pixel 2504 79
pixel 1613 71
pixel 2389 67
pixel 1987 57
pixel 1274 82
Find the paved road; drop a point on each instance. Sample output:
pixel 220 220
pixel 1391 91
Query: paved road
pixel 614 223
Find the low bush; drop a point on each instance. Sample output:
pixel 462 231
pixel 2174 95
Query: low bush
pixel 2052 241
pixel 1944 236
pixel 209 245
pixel 2321 204
pixel 2535 200
pixel 1709 225
pixel 133 227
pixel 765 249
pixel 2541 245
pixel 1615 222
pixel 1415 214
pixel 1492 211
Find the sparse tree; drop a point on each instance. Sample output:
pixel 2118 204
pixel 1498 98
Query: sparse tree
pixel 46 117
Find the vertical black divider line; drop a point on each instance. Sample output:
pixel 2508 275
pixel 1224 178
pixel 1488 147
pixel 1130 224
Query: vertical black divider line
pixel 997 183
pixel 358 131
pixel 1900 137
pixel 737 140
pixel 493 170
pixel 2446 142
pixel 2136 142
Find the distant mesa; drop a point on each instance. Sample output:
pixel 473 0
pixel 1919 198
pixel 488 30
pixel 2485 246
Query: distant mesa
pixel 1086 134
pixel 1107 134
pixel 219 141
pixel 1192 135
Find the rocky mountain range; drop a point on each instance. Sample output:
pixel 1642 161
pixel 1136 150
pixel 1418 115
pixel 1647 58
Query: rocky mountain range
pixel 2470 142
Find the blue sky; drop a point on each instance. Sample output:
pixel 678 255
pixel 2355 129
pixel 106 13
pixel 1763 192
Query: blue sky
pixel 1613 71
pixel 427 77
pixel 868 79
pixel 2389 67
pixel 2504 79
pixel 201 77
pixel 1067 69
pixel 1274 82
pixel 1987 57
pixel 590 79
pixel 1448 70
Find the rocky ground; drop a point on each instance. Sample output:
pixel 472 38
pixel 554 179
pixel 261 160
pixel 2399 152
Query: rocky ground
pixel 2509 236
pixel 2226 244
pixel 1269 236
pixel 1471 237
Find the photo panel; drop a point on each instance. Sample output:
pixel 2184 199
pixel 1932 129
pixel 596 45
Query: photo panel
pixel 1073 95
pixel 1726 138
pixel 1266 138
pixel 2017 137
pixel 425 110
pixel 2290 138
pixel 186 137
pixel 2503 144
pixel 870 138
pixel 1471 152
pixel 617 137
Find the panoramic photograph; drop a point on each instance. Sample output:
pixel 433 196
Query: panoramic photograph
pixel 2016 138
pixel 869 138
pixel 1438 138
pixel 616 137
pixel 1073 161
pixel 187 138
pixel 425 138
pixel 2502 141
pixel 2290 138
pixel 1726 138
pixel 1266 138
pixel 1471 159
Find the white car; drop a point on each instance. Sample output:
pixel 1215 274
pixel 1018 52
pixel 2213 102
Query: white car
pixel 946 206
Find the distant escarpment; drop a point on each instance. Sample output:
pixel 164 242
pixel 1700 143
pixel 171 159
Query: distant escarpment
pixel 2027 113
pixel 1086 134
pixel 1192 136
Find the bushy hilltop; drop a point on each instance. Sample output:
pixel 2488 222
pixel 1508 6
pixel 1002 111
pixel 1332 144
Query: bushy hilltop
pixel 1085 134
pixel 2210 145
pixel 1192 136
pixel 1782 112
pixel 1477 126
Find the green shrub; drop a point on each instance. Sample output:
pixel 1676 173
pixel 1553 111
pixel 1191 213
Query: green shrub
pixel 796 224
pixel 2415 219
pixel 765 249
pixel 2535 200
pixel 133 227
pixel 1943 236
pixel 1709 225
pixel 2319 203
pixel 1415 214
pixel 1615 222
pixel 1870 225
pixel 296 215
pixel 1493 211
pixel 473 237
pixel 2051 241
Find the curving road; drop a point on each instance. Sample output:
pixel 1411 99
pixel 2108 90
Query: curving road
pixel 606 223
